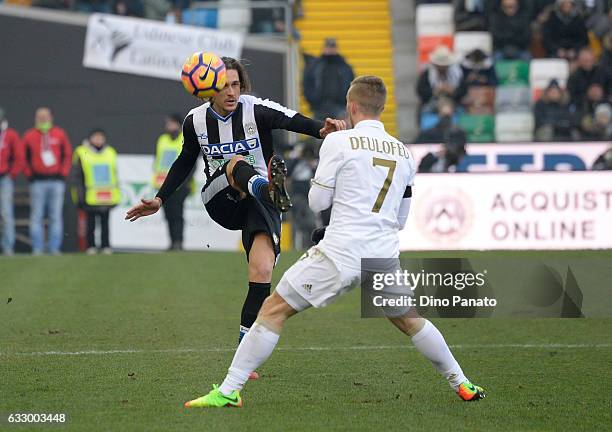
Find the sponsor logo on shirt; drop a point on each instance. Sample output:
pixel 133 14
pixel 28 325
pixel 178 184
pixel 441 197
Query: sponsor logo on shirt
pixel 229 148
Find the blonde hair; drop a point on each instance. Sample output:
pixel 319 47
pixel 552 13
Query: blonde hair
pixel 369 93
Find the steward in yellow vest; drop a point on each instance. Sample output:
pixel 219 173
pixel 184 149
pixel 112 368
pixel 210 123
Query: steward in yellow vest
pixel 95 186
pixel 169 146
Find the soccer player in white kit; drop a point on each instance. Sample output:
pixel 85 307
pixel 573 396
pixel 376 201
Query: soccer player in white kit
pixel 367 175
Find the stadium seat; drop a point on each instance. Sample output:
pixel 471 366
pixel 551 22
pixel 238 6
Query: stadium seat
pixel 480 100
pixel 200 17
pixel 512 72
pixel 426 44
pixel 435 19
pixel 479 128
pixel 514 127
pixel 513 99
pixel 542 71
pixel 469 41
pixel 234 16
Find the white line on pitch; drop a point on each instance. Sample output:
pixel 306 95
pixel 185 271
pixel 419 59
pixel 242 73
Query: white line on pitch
pixel 321 348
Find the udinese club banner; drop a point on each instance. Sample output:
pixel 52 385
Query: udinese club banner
pixel 538 211
pixel 151 48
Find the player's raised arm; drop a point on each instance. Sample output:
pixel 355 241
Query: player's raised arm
pixel 178 173
pixel 276 116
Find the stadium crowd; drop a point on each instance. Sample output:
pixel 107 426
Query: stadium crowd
pixel 501 49
pixel 489 75
pixel 262 19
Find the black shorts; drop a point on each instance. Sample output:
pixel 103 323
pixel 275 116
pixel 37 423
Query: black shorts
pixel 249 215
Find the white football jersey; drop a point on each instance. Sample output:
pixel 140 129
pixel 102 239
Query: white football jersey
pixel 370 172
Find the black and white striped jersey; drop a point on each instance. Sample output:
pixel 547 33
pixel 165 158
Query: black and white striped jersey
pixel 247 131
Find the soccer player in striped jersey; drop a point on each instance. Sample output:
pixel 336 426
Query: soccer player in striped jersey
pixel 367 175
pixel 244 187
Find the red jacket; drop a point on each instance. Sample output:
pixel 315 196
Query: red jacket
pixel 12 157
pixel 58 166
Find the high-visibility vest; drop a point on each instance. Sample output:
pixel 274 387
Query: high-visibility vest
pixel 166 153
pixel 100 174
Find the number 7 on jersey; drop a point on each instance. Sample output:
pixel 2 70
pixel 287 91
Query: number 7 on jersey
pixel 390 164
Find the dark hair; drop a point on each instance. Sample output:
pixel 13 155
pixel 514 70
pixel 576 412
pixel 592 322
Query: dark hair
pixel 243 76
pixel 175 117
pixel 370 93
pixel 95 131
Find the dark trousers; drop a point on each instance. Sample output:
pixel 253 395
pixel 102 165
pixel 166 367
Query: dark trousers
pixel 173 210
pixel 94 214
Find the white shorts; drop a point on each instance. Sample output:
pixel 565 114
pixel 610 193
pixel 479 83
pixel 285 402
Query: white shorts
pixel 314 280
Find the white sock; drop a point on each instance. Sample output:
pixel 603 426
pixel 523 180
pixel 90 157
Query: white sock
pixel 256 346
pixel 430 342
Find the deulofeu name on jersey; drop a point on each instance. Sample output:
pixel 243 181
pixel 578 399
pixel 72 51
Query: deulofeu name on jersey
pixel 227 148
pixel 393 148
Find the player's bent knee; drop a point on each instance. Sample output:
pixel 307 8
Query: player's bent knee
pixel 409 324
pixel 274 312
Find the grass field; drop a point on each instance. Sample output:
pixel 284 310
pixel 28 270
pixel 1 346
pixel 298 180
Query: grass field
pixel 120 342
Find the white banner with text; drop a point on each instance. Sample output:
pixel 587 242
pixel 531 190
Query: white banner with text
pixel 571 210
pixel 151 48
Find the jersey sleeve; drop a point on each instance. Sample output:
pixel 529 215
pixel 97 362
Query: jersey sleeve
pixel 275 116
pixel 184 163
pixel 330 160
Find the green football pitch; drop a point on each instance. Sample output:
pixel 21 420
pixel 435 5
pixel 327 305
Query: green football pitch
pixel 120 342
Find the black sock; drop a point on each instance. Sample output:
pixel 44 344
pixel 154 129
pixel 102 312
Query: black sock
pixel 242 173
pixel 258 292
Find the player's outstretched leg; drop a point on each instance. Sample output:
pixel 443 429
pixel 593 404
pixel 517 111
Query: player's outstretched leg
pixel 428 340
pixel 255 348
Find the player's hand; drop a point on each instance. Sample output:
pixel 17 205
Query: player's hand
pixel 147 207
pixel 332 125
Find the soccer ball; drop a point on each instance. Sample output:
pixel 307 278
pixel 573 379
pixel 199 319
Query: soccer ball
pixel 203 75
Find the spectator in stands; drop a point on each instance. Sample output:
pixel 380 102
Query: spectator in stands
pixel 441 78
pixel 597 127
pixel 470 15
pixel 478 69
pixel 48 161
pixel 452 138
pixel 604 161
pixel 11 164
pixel 511 31
pixel 326 82
pixel 586 73
pixel 91 6
pixel 553 120
pixel 132 8
pixel 95 186
pixel 156 9
pixel 597 15
pixel 605 63
pixel 301 169
pixel 168 148
pixel 585 113
pixel 565 32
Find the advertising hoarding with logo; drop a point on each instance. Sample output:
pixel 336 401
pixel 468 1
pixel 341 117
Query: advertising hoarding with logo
pixel 574 156
pixel 510 211
pixel 151 48
pixel 201 232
